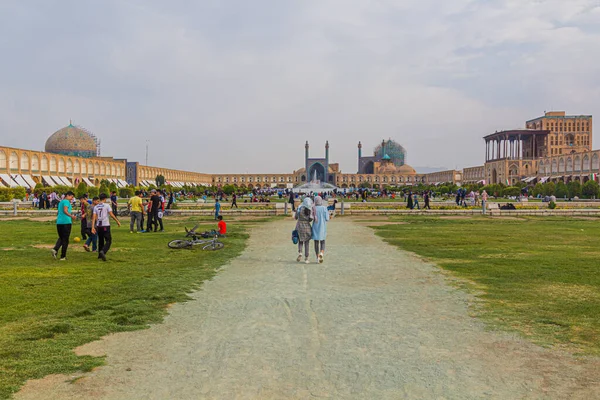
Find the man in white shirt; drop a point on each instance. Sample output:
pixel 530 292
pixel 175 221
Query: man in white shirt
pixel 101 224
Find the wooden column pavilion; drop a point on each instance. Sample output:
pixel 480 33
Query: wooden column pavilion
pixel 518 144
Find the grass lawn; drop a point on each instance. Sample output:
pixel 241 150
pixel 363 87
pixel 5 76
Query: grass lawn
pixel 537 276
pixel 49 307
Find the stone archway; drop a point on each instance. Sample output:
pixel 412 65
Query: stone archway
pixel 318 170
pixel 494 176
pixel 369 168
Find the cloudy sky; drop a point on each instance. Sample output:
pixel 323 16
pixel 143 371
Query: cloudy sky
pixel 239 86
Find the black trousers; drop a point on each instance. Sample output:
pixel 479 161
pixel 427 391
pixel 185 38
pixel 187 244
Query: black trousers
pixel 152 220
pixel 64 231
pixel 84 229
pixel 104 238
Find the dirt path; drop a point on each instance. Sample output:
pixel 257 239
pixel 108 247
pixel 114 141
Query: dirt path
pixel 371 323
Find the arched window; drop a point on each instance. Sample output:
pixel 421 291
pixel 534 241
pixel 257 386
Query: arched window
pixel 13 162
pixel 586 163
pixel 595 162
pixel 52 164
pixel 24 162
pixel 2 159
pixel 35 163
pixel 61 165
pixel 44 165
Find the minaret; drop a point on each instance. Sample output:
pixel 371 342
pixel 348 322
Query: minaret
pixel 327 161
pixel 359 156
pixel 382 148
pixel 306 161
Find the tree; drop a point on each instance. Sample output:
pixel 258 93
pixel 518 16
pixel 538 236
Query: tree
pixel 549 189
pixel 228 189
pixel 125 192
pixel 160 180
pixel 511 191
pixel 81 189
pixel 103 189
pixel 93 191
pixel 104 182
pixel 561 190
pixel 112 187
pixel 574 189
pixel 538 189
pixel 591 189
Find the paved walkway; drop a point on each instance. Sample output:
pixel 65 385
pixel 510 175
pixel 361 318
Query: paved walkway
pixel 372 322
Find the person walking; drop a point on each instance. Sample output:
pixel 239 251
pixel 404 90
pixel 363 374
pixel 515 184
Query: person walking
pixel 416 201
pixel 217 208
pixel 153 211
pixel 234 200
pixel 409 203
pixel 84 226
pixel 426 199
pixel 319 228
pixel 484 197
pixel 64 222
pixel 291 201
pixel 114 201
pixel 101 225
pixel 304 216
pixel 43 200
pixel 136 210
pixel 171 199
pixel 161 210
pixel 89 216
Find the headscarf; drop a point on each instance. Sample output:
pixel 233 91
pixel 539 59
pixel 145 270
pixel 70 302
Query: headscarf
pixel 308 203
pixel 318 201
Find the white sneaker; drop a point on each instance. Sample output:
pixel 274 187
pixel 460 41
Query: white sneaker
pixel 320 258
pixel 299 257
pixel 54 253
pixel 307 261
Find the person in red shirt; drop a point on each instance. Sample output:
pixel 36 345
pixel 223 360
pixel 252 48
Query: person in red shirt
pixel 222 226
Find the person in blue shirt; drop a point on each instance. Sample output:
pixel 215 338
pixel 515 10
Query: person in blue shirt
pixel 64 222
pixel 319 228
pixel 217 208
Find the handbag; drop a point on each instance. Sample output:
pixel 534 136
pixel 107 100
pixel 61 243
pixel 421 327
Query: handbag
pixel 295 236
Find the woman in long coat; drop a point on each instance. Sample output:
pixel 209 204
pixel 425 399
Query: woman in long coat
pixel 305 216
pixel 319 228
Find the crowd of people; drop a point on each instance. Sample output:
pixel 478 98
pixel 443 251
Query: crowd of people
pixel 96 214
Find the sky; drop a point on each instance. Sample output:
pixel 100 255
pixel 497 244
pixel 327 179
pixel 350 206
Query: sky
pixel 236 86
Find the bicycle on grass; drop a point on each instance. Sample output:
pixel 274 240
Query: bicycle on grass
pixel 207 244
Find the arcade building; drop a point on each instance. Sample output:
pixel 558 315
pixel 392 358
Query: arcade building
pixel 72 155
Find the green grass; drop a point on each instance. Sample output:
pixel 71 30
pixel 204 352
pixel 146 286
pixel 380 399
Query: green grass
pixel 536 276
pixel 48 307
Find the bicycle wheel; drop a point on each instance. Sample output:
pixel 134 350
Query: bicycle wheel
pixel 213 246
pixel 179 244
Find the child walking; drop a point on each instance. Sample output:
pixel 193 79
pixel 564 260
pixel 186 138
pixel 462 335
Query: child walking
pixel 319 228
pixel 304 215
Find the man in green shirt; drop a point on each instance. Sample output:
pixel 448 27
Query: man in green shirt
pixel 64 221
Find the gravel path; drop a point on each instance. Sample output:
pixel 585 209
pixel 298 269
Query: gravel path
pixel 372 322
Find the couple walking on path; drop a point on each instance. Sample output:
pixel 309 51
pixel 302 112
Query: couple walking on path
pixel 318 215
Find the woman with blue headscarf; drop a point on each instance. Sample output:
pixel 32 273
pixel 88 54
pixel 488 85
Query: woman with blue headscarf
pixel 319 228
pixel 305 216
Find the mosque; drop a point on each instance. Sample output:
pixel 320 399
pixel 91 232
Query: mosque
pixel 72 155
